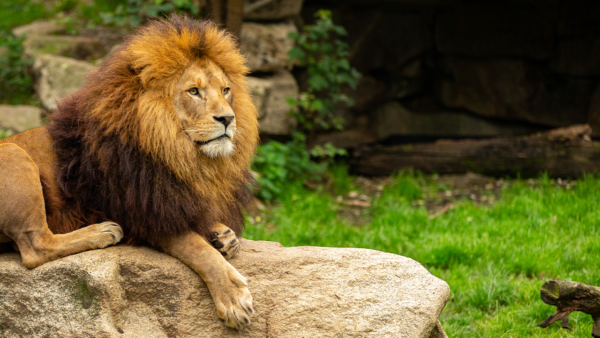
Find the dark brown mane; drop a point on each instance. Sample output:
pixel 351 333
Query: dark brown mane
pixel 112 168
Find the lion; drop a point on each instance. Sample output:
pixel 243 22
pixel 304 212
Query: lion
pixel 155 149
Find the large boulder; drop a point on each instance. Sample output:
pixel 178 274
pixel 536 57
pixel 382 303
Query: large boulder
pixel 394 119
pixel 58 77
pixel 578 18
pixel 577 56
pixel 270 95
pixel 495 28
pixel 298 292
pixel 266 46
pixel 19 118
pixel 515 89
pixel 271 10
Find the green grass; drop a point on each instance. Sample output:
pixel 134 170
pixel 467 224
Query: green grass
pixel 495 258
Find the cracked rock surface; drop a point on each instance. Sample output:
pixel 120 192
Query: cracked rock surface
pixel 298 292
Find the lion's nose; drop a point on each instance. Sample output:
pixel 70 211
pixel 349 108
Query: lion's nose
pixel 226 120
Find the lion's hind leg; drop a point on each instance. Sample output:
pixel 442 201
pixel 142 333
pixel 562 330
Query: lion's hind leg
pixel 23 214
pixel 224 240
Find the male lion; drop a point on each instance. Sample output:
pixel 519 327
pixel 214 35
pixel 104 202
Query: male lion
pixel 154 149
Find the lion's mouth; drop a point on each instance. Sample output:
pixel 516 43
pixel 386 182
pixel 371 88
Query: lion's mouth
pixel 201 143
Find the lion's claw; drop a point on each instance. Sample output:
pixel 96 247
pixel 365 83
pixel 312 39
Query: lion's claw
pixel 235 305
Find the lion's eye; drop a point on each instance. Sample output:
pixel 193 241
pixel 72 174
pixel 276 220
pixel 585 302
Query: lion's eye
pixel 226 90
pixel 193 91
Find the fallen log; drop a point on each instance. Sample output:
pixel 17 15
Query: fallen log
pixel 570 296
pixel 565 152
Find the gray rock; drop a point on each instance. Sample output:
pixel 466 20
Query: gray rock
pixel 494 29
pixel 271 9
pixel 270 95
pixel 77 47
pixel 266 46
pixel 515 89
pixel 41 27
pixel 20 118
pixel 577 56
pixel 57 77
pixel 298 292
pixel 393 119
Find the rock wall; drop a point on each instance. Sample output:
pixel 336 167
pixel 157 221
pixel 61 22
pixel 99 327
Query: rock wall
pixel 298 292
pixel 458 68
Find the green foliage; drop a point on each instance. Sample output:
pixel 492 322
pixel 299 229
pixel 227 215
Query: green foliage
pixel 495 258
pixel 14 13
pixel 16 84
pixel 278 164
pixel 135 12
pixel 326 60
pixel 3 133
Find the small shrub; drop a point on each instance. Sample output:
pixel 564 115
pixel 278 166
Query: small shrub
pixel 280 163
pixel 16 84
pixel 326 60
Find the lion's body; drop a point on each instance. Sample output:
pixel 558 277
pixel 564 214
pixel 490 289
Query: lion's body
pixel 159 141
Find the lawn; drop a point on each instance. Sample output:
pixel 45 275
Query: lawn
pixel 495 256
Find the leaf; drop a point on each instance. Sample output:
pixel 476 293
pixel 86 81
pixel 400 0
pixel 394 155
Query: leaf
pixel 317 82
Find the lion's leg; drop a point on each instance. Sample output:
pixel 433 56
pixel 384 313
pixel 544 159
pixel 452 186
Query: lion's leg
pixel 23 214
pixel 229 289
pixel 224 240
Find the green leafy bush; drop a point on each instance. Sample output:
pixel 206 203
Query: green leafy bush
pixel 326 60
pixel 3 133
pixel 280 163
pixel 135 12
pixel 16 84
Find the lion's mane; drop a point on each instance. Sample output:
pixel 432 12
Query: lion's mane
pixel 118 140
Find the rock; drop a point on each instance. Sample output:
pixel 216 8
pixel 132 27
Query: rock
pixel 77 47
pixel 269 95
pixel 20 118
pixel 578 18
pixel 298 292
pixel 393 119
pixel 346 139
pixel 515 89
pixel 58 77
pixel 594 113
pixel 266 46
pixel 41 27
pixel 578 56
pixel 495 29
pixel 271 9
pixel 388 40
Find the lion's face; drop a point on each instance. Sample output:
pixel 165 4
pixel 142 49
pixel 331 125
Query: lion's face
pixel 203 102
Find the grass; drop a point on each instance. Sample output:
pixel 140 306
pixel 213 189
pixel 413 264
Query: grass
pixel 495 258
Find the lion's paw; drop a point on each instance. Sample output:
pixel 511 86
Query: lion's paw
pixel 105 234
pixel 225 241
pixel 234 301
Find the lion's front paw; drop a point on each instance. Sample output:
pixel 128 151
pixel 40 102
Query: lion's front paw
pixel 225 241
pixel 104 234
pixel 234 301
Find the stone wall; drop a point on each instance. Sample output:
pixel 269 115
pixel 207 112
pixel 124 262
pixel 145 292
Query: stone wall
pixel 479 68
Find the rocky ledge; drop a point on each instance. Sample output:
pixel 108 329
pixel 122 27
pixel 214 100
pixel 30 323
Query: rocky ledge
pixel 298 292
